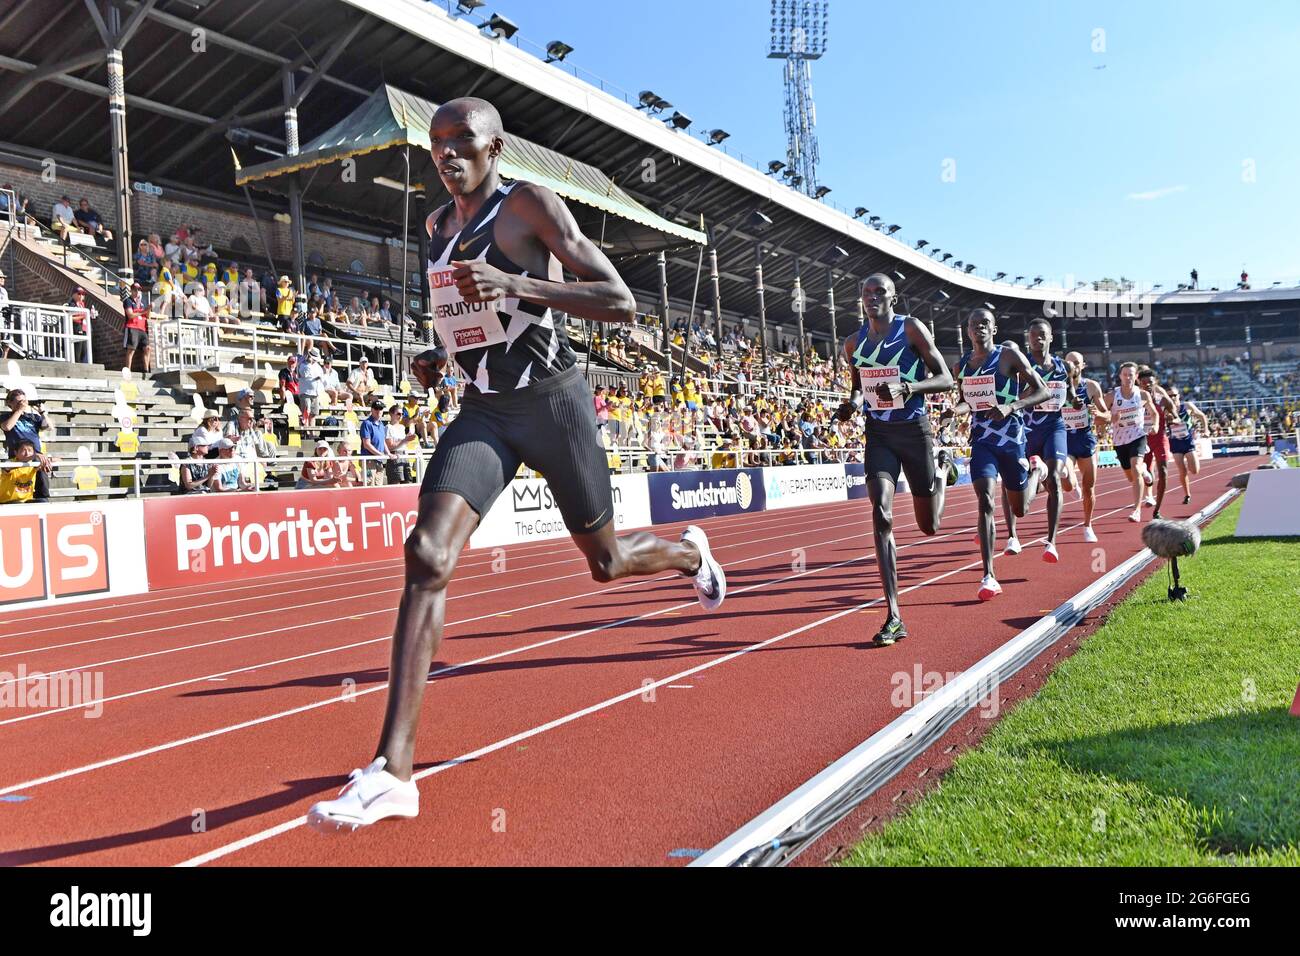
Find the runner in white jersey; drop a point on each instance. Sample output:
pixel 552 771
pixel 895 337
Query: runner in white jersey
pixel 1130 410
pixel 1081 440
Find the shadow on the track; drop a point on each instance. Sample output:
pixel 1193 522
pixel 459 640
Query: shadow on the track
pixel 290 793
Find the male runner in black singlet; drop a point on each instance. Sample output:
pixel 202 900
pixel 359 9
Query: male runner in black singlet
pixel 495 275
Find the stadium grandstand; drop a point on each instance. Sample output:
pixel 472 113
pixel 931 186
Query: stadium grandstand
pixel 291 484
pixel 289 157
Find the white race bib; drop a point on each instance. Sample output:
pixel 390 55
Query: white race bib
pixel 979 392
pixel 1178 429
pixel 461 324
pixel 871 379
pixel 1130 416
pixel 1076 419
pixel 1055 397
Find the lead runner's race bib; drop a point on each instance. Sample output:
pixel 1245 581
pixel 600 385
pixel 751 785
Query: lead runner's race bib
pixel 1055 397
pixel 873 378
pixel 461 324
pixel 980 392
pixel 1076 419
pixel 1129 416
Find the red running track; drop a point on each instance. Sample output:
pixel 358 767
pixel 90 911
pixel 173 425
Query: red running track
pixel 566 723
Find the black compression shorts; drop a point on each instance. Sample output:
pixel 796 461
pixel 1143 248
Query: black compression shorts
pixel 906 446
pixel 550 427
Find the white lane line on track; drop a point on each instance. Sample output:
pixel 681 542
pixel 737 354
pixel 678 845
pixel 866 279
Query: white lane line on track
pixel 254 667
pixel 388 609
pixel 507 653
pixel 748 539
pixel 475 558
pixel 638 691
pixel 631 584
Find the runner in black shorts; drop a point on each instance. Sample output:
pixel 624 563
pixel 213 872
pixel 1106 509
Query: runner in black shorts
pixel 894 365
pixel 496 260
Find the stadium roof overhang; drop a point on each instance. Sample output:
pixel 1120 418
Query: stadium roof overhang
pixel 376 136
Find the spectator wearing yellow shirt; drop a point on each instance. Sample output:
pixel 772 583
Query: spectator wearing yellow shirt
pixel 690 395
pixel 284 299
pixel 18 483
pixel 658 390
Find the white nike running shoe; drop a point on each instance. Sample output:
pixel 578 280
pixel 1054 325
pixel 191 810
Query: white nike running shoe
pixel 1013 545
pixel 1050 554
pixel 1089 535
pixel 1136 516
pixel 1149 501
pixel 370 795
pixel 710 580
pixel 989 588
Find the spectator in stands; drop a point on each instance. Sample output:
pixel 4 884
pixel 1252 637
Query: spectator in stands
pixel 330 388
pixel 346 470
pixel 284 303
pixel 329 295
pixel 208 432
pixel 173 250
pixel 289 380
pixel 1244 284
pixel 197 476
pixel 251 296
pixel 136 338
pixel 82 315
pixel 386 312
pixel 230 473
pixel 90 221
pixel 197 306
pixel 63 219
pixel 361 383
pixel 21 212
pixel 318 471
pixel 27 477
pixel 397 441
pixel 374 433
pixel 219 302
pixel 602 406
pixel 418 417
pixel 311 377
pixel 156 247
pixel 250 438
pixel 24 423
pixel 313 330
pixel 145 261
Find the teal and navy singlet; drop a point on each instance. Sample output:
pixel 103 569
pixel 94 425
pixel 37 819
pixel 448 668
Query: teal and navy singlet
pixel 892 359
pixel 1006 389
pixel 1057 378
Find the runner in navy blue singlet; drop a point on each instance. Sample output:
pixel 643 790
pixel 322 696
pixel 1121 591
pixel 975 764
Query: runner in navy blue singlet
pixel 894 364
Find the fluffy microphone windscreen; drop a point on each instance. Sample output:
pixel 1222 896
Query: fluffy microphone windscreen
pixel 1172 539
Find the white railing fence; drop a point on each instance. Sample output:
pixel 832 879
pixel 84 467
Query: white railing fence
pixel 48 332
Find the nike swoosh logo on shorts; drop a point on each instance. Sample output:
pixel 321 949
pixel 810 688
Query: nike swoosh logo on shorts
pixel 592 524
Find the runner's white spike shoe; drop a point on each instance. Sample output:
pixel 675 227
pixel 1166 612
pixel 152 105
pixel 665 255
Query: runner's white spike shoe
pixel 1149 501
pixel 1136 516
pixel 1089 535
pixel 1050 554
pixel 989 588
pixel 370 795
pixel 710 580
pixel 1013 546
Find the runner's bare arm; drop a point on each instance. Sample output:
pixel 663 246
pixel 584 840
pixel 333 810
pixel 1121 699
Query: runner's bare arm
pixel 1019 365
pixel 959 407
pixel 599 292
pixel 853 404
pixel 1200 416
pixel 1100 411
pixel 940 378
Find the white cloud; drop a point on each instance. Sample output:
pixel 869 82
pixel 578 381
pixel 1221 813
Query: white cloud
pixel 1157 193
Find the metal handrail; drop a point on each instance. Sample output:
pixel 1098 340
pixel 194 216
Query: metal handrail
pixel 48 330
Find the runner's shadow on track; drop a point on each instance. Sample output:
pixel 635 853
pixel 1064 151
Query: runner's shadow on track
pixel 333 681
pixel 1230 768
pixel 291 792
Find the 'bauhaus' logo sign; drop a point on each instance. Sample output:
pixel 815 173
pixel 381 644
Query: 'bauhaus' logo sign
pixel 58 555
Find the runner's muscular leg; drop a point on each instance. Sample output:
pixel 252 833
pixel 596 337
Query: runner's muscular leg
pixel 444 524
pixel 882 523
pixel 612 556
pixel 984 490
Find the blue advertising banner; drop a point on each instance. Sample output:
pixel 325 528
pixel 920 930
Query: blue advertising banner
pixel 690 495
pixel 856 476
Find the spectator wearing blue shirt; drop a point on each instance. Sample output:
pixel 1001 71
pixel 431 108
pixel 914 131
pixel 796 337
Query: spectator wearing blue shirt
pixel 374 432
pixel 24 424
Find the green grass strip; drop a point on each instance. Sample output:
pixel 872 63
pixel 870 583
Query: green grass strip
pixel 1164 741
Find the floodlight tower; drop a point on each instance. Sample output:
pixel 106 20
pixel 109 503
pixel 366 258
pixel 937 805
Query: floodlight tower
pixel 799 34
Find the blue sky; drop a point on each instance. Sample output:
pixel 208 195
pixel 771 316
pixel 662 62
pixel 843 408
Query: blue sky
pixel 1139 169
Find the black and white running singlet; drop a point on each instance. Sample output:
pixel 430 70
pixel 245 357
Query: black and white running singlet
pixel 503 346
